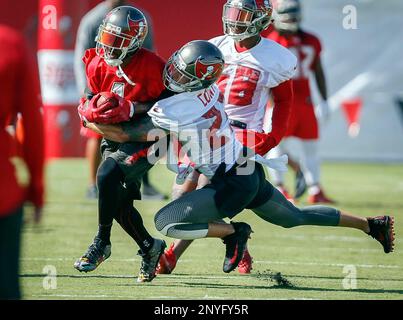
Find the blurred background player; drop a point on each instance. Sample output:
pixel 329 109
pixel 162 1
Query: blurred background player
pixel 86 35
pixel 20 93
pixel 303 121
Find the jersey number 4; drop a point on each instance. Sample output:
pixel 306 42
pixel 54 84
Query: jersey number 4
pixel 242 88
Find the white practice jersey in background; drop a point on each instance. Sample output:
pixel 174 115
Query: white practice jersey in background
pixel 249 75
pixel 201 125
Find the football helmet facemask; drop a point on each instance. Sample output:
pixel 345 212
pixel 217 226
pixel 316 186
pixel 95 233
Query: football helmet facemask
pixel 122 31
pixel 243 19
pixel 287 15
pixel 195 66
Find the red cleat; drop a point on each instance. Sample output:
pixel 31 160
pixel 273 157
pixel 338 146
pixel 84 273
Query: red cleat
pixel 167 261
pixel 285 193
pixel 245 265
pixel 320 197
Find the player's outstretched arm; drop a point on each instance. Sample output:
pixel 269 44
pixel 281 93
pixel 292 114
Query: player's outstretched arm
pixel 141 129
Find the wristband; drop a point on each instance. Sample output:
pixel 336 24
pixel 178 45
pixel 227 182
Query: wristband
pixel 132 109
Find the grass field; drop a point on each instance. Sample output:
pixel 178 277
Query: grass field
pixel 312 259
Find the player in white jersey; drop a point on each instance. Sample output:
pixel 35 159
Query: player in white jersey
pixel 237 181
pixel 256 69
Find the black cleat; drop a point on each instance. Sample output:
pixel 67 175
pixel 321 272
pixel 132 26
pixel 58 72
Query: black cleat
pixel 382 229
pixel 150 261
pixel 97 252
pixel 300 184
pixel 235 245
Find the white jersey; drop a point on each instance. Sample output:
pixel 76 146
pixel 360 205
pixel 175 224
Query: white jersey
pixel 248 77
pixel 201 125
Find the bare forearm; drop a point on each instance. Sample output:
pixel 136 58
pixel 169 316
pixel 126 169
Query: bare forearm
pixel 111 132
pixel 136 130
pixel 142 107
pixel 321 80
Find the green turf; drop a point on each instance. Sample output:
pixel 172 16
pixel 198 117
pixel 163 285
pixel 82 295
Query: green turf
pixel 310 258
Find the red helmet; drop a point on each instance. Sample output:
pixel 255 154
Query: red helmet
pixel 122 31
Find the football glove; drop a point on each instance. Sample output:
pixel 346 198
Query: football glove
pixel 113 109
pixel 322 111
pixel 259 142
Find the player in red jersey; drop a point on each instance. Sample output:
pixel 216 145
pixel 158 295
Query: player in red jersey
pixel 20 94
pixel 130 76
pixel 303 122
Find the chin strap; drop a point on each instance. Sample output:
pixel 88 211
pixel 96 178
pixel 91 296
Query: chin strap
pixel 120 73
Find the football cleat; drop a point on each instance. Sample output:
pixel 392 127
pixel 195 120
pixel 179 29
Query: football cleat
pixel 382 229
pixel 235 245
pixel 320 197
pixel 97 252
pixel 300 184
pixel 150 261
pixel 167 261
pixel 285 193
pixel 245 265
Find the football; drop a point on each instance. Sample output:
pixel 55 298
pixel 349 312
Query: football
pixel 107 100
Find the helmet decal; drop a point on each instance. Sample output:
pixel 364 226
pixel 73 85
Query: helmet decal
pixel 137 25
pixel 207 71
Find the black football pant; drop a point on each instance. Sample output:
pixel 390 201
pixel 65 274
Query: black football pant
pixel 115 202
pixel 10 235
pixel 226 196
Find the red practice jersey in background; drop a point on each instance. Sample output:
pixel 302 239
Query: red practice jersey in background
pixel 307 48
pixel 20 93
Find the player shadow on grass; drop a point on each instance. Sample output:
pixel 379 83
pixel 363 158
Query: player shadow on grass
pixel 269 286
pixel 294 288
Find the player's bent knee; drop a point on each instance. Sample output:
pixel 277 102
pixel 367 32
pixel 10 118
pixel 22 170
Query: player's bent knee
pixel 161 221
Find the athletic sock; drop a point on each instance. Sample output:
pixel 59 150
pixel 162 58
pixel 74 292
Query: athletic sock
pixel 104 233
pixel 132 223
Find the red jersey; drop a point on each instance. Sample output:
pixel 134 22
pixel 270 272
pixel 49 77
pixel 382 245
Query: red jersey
pixel 307 48
pixel 144 70
pixel 19 82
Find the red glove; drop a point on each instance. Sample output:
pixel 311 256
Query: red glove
pixel 106 108
pixel 259 142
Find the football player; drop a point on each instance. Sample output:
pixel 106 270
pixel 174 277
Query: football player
pixel 120 72
pixel 86 34
pixel 197 117
pixel 303 122
pixel 255 70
